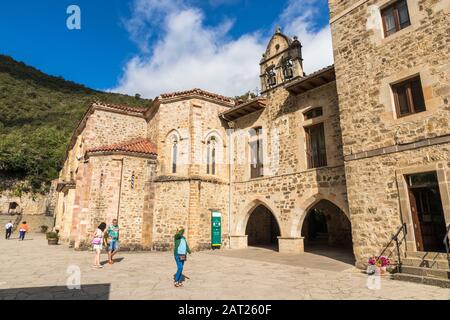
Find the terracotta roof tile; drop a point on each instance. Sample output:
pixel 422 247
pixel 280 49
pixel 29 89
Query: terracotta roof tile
pixel 198 92
pixel 121 107
pixel 141 146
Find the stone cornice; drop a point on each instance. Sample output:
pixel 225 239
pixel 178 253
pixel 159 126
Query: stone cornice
pixel 398 148
pixel 176 178
pixel 122 153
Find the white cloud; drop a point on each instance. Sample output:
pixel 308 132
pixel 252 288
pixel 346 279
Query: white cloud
pixel 186 53
pixel 298 19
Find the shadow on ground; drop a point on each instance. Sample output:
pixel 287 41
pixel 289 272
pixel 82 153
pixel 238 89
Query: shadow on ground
pixel 86 292
pixel 344 255
pixel 115 260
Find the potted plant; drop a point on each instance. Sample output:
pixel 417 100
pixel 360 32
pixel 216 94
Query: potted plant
pixel 380 264
pixel 52 238
pixel 44 228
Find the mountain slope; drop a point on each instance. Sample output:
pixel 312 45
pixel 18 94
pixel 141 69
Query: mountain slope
pixel 38 113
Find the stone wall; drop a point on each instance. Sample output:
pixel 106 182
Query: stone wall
pixel 375 200
pixel 102 128
pixel 194 123
pixel 29 204
pixel 284 140
pixel 366 64
pixel 377 144
pixel 188 203
pixel 289 188
pixel 119 188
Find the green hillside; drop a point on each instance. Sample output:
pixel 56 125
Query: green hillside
pixel 38 113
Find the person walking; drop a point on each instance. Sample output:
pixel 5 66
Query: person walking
pixel 23 229
pixel 97 244
pixel 113 238
pixel 8 227
pixel 181 249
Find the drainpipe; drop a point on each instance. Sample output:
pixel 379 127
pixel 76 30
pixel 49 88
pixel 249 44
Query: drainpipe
pixel 230 179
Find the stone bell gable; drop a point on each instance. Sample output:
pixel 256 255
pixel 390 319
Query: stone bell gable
pixel 281 62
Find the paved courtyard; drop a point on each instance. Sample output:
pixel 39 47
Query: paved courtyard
pixel 34 270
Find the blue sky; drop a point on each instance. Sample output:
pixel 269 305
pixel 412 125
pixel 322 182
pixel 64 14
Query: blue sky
pixel 150 46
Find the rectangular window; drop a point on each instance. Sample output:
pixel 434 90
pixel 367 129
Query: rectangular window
pixel 395 17
pixel 256 153
pixel 315 149
pixel 408 97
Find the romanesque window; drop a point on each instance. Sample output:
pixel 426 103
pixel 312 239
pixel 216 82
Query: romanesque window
pixel 256 153
pixel 271 76
pixel 174 154
pixel 211 156
pixel 313 113
pixel 102 179
pixel 133 178
pixel 408 96
pixel 288 69
pixel 395 17
pixel 315 146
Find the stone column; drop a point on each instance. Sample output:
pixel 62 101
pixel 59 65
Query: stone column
pixel 290 245
pixel 238 241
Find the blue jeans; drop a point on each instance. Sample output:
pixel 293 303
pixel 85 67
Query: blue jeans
pixel 22 235
pixel 180 265
pixel 113 245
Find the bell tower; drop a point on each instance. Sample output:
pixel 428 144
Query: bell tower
pixel 281 62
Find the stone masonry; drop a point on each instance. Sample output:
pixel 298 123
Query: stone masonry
pixel 377 145
pixel 192 152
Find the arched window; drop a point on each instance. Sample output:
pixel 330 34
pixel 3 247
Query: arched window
pixel 174 153
pixel 133 178
pixel 271 76
pixel 102 179
pixel 256 152
pixel 288 69
pixel 211 156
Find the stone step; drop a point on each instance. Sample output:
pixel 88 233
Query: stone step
pixel 443 283
pixel 427 272
pixel 425 263
pixel 427 255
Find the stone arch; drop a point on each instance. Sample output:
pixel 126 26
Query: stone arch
pixel 173 133
pixel 215 133
pixel 244 215
pixel 309 202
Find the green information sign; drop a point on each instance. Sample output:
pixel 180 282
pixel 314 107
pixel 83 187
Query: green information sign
pixel 216 229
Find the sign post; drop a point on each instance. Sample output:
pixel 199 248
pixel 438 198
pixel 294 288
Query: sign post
pixel 216 229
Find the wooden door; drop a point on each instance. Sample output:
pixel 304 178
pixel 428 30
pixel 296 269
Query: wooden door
pixel 416 221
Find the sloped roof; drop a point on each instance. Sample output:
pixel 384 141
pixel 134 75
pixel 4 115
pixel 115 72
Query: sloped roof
pixel 311 81
pixel 136 146
pixel 244 109
pixel 200 93
pixel 124 108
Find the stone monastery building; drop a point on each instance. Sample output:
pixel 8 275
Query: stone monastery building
pixel 341 157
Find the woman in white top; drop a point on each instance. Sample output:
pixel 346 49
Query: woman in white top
pixel 97 243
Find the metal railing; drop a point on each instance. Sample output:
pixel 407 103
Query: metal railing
pixel 395 237
pixel 447 249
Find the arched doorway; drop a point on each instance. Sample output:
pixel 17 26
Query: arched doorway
pixel 262 228
pixel 13 208
pixel 327 231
